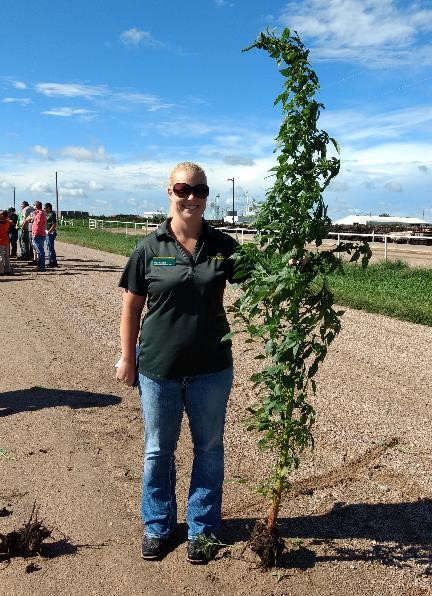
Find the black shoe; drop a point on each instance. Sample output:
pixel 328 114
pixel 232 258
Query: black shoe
pixel 152 547
pixel 52 265
pixel 195 553
pixel 39 269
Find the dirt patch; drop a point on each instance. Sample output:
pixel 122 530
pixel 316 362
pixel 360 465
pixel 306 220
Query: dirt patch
pixel 359 516
pixel 26 541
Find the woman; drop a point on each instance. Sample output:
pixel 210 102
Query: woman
pixel 181 271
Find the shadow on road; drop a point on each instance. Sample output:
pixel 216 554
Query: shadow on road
pixel 66 267
pixel 398 534
pixel 37 398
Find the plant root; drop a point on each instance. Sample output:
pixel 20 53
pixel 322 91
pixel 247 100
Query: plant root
pixel 26 541
pixel 266 544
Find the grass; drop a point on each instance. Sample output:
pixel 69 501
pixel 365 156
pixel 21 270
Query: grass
pixel 393 288
pixel 120 244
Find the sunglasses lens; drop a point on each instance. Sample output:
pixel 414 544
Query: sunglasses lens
pixel 183 190
pixel 201 191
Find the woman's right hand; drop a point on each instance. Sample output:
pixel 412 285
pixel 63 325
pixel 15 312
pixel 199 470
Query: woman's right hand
pixel 126 371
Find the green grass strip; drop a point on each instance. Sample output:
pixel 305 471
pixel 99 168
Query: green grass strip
pixel 120 244
pixel 393 288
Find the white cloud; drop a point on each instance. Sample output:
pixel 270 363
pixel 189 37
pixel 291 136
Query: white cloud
pixel 40 151
pixel 393 186
pixel 71 191
pixel 4 185
pixel 238 160
pixel 152 102
pixel 223 3
pixel 40 187
pixel 93 185
pixel 136 37
pixel 18 85
pixel 360 126
pixel 373 32
pixel 388 157
pixel 24 101
pixel 68 112
pixel 84 154
pixel 70 90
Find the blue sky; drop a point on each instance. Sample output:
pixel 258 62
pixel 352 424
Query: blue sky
pixel 112 94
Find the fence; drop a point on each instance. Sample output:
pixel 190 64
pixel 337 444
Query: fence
pixel 242 233
pixel 386 238
pixel 126 225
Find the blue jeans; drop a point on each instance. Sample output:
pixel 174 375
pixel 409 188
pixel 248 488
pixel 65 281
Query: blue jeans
pixel 204 398
pixel 52 257
pixel 25 244
pixel 39 246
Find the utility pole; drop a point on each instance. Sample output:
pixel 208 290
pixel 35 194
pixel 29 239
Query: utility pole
pixel 14 198
pixel 232 180
pixel 57 208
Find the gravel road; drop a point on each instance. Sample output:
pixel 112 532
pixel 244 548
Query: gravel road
pixel 360 509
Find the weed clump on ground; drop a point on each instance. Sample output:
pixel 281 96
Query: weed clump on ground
pixel 26 541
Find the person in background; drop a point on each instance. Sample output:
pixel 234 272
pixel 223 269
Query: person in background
pixel 5 223
pixel 24 232
pixel 38 220
pixel 51 224
pixel 13 231
pixel 181 271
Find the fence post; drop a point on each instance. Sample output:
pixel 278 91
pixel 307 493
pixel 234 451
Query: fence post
pixel 338 241
pixel 385 248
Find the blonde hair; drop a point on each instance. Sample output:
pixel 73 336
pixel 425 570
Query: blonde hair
pixel 185 165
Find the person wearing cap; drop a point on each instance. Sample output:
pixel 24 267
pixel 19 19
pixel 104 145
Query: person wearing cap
pixel 180 271
pixel 24 232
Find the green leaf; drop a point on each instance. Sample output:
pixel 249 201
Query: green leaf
pixel 228 336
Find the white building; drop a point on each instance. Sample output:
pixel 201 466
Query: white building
pixel 376 220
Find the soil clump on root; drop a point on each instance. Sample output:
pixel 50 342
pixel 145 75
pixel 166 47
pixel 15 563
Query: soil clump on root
pixel 266 544
pixel 26 541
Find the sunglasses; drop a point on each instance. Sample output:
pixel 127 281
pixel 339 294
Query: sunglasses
pixel 183 190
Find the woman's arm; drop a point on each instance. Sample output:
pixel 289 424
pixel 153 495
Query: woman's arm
pixel 133 305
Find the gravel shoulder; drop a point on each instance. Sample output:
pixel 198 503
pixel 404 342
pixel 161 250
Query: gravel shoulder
pixel 71 438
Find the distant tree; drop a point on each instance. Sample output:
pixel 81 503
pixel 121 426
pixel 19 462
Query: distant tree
pixel 384 215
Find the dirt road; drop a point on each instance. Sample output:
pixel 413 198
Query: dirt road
pixel 360 511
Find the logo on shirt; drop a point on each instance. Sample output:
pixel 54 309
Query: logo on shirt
pixel 164 261
pixel 217 258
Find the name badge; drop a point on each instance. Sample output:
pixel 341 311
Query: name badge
pixel 164 261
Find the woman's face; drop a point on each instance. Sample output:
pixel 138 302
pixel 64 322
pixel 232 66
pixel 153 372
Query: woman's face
pixel 190 207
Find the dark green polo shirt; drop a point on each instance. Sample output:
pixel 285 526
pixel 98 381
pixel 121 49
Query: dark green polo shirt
pixel 185 321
